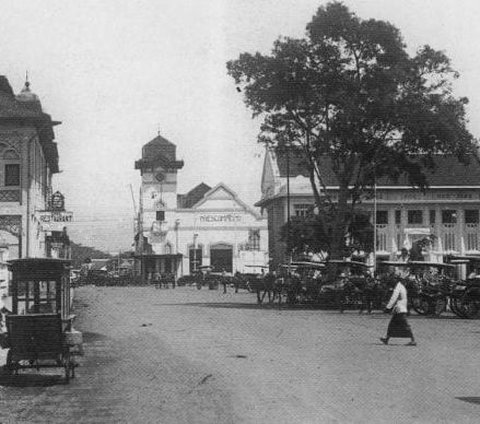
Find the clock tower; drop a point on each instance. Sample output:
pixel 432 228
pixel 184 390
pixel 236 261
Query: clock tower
pixel 158 202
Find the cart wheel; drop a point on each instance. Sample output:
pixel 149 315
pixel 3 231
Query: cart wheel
pixel 8 367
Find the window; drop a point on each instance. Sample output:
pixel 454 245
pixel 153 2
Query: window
pixel 382 217
pixel 254 239
pixel 195 259
pixel 12 174
pixel 398 217
pixel 160 216
pixel 415 217
pixel 449 216
pixel 471 216
pixel 302 209
pixel 432 216
pixel 472 241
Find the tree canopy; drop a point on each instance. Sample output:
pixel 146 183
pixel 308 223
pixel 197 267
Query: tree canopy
pixel 349 97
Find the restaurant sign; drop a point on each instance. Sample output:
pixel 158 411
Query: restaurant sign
pixel 54 220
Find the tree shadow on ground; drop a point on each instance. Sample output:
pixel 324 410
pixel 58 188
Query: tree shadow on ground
pixel 470 399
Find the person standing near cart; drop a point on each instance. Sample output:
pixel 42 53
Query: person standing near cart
pixel 224 280
pixel 398 325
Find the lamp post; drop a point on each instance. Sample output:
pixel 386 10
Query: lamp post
pixel 288 206
pixel 195 236
pixel 374 223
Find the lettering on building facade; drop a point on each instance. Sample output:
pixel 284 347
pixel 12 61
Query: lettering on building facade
pixel 50 216
pixel 220 218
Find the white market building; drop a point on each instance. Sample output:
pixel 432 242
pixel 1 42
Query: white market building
pixel 448 211
pixel 178 233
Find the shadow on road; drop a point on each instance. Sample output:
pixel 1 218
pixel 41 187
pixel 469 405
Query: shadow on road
pixel 470 399
pixel 31 380
pixel 240 305
pixel 231 305
pixel 89 336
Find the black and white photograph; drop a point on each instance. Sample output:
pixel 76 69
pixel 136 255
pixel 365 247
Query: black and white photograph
pixel 239 212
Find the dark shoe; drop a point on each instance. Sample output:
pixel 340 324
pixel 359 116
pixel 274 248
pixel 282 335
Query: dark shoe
pixel 411 343
pixel 384 340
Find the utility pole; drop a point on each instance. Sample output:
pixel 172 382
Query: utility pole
pixel 288 207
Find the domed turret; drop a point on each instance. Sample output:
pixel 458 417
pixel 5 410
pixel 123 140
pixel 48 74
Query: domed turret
pixel 28 98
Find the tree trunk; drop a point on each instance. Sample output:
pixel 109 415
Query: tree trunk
pixel 340 224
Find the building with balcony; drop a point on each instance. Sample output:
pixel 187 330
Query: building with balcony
pixel 28 160
pixel 179 233
pixel 447 212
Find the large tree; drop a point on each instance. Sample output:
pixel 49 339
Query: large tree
pixel 350 98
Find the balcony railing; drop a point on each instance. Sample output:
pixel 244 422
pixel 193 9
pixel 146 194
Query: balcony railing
pixel 9 195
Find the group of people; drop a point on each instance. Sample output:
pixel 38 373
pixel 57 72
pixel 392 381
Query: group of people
pixel 164 280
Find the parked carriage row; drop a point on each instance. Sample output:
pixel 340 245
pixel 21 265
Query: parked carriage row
pixel 432 287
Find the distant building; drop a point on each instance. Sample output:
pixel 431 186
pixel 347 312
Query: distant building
pixel 28 160
pixel 448 211
pixel 179 233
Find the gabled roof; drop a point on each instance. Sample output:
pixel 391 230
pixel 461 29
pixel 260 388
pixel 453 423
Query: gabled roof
pixel 448 171
pixel 230 195
pixel 186 201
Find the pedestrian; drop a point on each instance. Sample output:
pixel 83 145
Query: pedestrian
pixel 236 280
pixel 398 325
pixel 224 281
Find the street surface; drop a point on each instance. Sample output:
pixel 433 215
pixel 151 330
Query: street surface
pixel 201 356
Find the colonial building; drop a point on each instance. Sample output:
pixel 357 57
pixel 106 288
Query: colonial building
pixel 28 160
pixel 447 212
pixel 179 233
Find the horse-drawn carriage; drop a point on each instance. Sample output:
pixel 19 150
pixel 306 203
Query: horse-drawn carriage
pixel 39 328
pixel 429 284
pixel 300 282
pixel 465 295
pixel 348 284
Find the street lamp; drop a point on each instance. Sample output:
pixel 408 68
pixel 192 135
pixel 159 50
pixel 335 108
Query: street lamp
pixel 195 236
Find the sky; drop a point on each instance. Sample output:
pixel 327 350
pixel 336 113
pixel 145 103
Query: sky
pixel 118 72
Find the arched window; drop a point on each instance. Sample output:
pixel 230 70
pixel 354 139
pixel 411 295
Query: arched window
pixel 168 249
pixel 254 239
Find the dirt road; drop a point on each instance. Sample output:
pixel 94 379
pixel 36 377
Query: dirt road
pixel 189 356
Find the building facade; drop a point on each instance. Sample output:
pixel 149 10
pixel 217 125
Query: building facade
pixel 179 233
pixel 447 212
pixel 28 160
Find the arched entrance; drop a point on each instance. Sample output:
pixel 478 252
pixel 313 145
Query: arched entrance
pixel 221 257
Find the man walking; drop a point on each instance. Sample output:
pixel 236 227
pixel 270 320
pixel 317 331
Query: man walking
pixel 399 326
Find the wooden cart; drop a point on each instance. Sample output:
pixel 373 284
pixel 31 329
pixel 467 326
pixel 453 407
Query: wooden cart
pixel 39 329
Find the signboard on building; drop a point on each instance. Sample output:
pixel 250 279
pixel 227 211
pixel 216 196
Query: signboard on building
pixel 54 220
pixel 220 218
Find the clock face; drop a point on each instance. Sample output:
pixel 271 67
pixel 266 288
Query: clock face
pixel 160 177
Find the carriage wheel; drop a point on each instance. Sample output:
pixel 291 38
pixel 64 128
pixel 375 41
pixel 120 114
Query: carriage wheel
pixel 469 307
pixel 9 367
pixel 455 306
pixel 440 306
pixel 421 305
